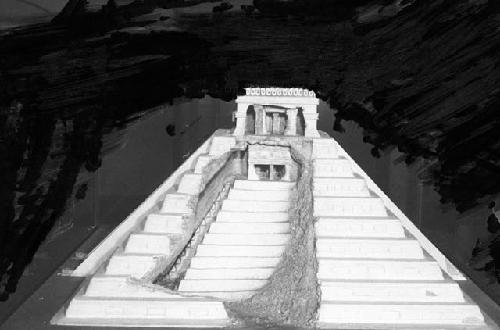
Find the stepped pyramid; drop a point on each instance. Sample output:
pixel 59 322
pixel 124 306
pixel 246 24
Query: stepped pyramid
pixel 376 269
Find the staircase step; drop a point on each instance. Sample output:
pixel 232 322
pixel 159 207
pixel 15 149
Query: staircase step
pixel 386 228
pixel 224 295
pixel 257 195
pixel 130 264
pixel 331 315
pixel 119 286
pixel 245 239
pixel 148 243
pixel 341 187
pixel 176 203
pixel 168 310
pixel 263 185
pixel 228 216
pixel 233 262
pixel 164 223
pixel 220 285
pixel 254 206
pixel 331 168
pixel 368 248
pixel 366 291
pixel 233 273
pixel 338 206
pixel 239 251
pixel 191 184
pixel 325 148
pixel 250 228
pixel 356 269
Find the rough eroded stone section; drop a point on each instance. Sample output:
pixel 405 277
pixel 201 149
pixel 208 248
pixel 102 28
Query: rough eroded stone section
pixel 372 273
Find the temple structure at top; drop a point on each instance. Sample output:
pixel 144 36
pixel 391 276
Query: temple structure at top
pixel 277 111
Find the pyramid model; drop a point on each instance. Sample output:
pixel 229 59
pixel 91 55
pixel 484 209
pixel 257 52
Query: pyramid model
pixel 373 271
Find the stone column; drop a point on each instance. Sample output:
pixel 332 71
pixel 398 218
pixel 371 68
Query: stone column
pixel 310 118
pixel 258 119
pixel 276 123
pixel 291 124
pixel 264 115
pixel 241 118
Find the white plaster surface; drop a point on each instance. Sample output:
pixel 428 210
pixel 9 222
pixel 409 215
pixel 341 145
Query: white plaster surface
pixel 453 314
pixel 341 207
pixel 234 216
pixel 246 239
pixel 191 184
pixel 254 206
pixel 234 273
pixel 391 292
pixel 233 262
pixel 81 307
pixel 148 244
pixel 331 168
pixel 279 195
pixel 368 248
pixel 340 187
pixel 221 145
pixel 201 162
pixel 250 228
pixel 325 148
pixel 335 269
pixel 176 203
pixel 263 185
pixel 164 223
pixel 221 285
pixel 129 264
pixel 205 250
pixel 384 228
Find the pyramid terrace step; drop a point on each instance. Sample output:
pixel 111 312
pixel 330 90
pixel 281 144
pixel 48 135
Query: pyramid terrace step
pixel 228 216
pixel 220 285
pixel 357 269
pixel 164 223
pixel 234 273
pixel 263 185
pixel 250 228
pixel 349 206
pixel 148 243
pixel 369 248
pixel 325 148
pixel 380 228
pixel 130 264
pixel 240 251
pixel 176 203
pixel 256 195
pixel 233 262
pixel 140 309
pixel 245 239
pixel 334 315
pixel 224 295
pixel 119 286
pixel 367 291
pixel 341 187
pixel 332 168
pixel 255 206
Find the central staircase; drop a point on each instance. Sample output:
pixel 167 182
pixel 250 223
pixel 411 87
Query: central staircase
pixel 244 244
